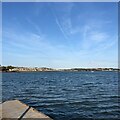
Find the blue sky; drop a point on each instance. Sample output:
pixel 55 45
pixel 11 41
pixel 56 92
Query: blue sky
pixel 60 35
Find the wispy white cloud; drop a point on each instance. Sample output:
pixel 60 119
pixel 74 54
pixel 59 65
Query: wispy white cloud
pixel 94 36
pixel 34 25
pixel 98 36
pixel 58 23
pixel 64 21
pixel 61 28
pixel 32 44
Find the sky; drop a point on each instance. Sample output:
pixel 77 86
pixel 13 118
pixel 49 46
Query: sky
pixel 60 34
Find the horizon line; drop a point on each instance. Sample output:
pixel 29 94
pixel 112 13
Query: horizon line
pixel 60 68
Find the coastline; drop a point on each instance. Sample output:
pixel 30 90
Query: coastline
pixel 46 69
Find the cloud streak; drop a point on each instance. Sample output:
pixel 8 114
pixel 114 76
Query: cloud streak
pixel 61 29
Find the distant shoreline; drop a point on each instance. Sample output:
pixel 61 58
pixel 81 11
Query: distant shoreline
pixel 45 69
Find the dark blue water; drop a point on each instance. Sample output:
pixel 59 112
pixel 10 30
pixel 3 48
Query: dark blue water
pixel 66 95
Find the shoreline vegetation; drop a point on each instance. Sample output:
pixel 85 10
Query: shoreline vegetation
pixel 42 69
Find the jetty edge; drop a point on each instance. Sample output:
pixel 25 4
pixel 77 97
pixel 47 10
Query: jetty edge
pixel 16 110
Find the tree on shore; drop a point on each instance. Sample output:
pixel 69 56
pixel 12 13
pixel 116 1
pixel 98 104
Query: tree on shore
pixel 4 69
pixel 10 67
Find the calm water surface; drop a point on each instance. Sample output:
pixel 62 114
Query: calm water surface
pixel 66 95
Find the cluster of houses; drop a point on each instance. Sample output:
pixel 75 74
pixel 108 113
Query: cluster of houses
pixel 23 69
pixel 30 69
